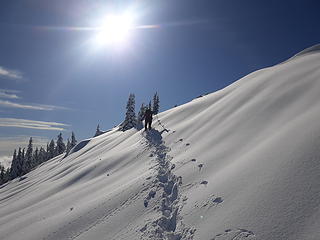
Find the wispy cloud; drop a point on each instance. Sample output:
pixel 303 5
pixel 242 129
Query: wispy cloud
pixel 24 123
pixel 10 74
pixel 10 94
pixel 42 107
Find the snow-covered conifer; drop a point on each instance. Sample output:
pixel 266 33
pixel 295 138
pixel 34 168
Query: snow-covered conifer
pixel 16 164
pixel 7 175
pixel 156 102
pixel 36 161
pixel 4 177
pixel 68 146
pixel 140 116
pixel 47 151
pixel 42 155
pixel 28 158
pixel 2 174
pixel 130 119
pixel 13 170
pixel 98 131
pixel 22 161
pixel 61 147
pixel 23 155
pixel 73 140
pixel 51 150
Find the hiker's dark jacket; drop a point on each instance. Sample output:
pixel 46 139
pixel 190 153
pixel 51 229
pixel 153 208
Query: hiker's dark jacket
pixel 148 115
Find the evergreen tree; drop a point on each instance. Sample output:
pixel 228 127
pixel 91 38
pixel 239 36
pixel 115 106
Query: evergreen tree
pixel 73 140
pixel 150 105
pixel 47 152
pixel 140 116
pixel 61 147
pixel 156 102
pixel 16 164
pixel 42 155
pixel 21 158
pixel 130 119
pixel 36 160
pixel 2 175
pixel 51 153
pixel 28 158
pixel 7 175
pixel 98 131
pixel 23 155
pixel 68 146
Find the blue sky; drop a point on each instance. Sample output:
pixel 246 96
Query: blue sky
pixel 53 78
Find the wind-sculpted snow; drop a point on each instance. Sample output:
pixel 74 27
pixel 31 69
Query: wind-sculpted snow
pixel 238 164
pixel 79 146
pixel 313 49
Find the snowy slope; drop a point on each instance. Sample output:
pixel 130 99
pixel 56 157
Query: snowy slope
pixel 240 163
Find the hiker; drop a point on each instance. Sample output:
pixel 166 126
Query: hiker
pixel 148 119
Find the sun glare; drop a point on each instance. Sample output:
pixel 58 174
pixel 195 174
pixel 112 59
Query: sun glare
pixel 114 30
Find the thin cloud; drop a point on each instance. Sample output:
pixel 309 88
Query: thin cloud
pixel 41 107
pixel 10 90
pixel 24 123
pixel 10 74
pixel 10 94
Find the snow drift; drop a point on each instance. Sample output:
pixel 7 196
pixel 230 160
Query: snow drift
pixel 240 163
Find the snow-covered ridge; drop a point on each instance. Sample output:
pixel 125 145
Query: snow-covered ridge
pixel 310 50
pixel 242 163
pixel 313 49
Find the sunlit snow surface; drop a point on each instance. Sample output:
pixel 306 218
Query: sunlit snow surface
pixel 240 163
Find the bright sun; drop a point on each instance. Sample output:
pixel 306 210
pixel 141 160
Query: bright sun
pixel 114 30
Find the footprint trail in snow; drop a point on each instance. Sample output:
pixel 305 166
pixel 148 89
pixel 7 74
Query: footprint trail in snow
pixel 169 225
pixel 235 234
